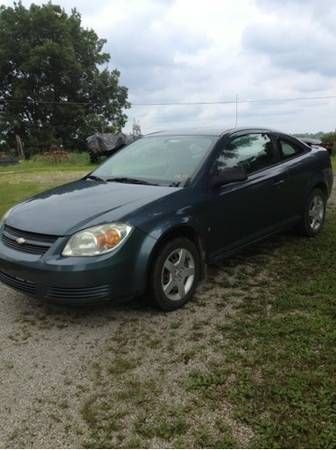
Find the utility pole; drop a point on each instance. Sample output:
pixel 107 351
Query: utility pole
pixel 136 130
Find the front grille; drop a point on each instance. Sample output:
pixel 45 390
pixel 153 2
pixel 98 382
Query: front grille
pixel 36 244
pixel 91 293
pixel 28 287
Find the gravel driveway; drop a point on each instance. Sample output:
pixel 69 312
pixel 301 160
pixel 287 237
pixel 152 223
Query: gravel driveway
pixel 88 376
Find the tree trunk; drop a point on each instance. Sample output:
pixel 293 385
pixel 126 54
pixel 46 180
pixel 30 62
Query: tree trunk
pixel 19 147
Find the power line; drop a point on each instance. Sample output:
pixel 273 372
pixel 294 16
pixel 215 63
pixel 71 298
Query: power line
pixel 227 102
pixel 217 102
pixel 45 102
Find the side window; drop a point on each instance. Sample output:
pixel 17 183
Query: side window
pixel 252 151
pixel 288 150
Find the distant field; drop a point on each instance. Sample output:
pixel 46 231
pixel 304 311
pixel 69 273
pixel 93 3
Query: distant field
pixel 27 178
pixel 77 161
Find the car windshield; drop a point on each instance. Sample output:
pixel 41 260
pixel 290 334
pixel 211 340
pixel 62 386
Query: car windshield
pixel 163 160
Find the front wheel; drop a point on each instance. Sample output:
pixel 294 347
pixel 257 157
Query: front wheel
pixel 175 274
pixel 314 214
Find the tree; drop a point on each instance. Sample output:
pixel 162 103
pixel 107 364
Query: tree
pixel 329 141
pixel 52 89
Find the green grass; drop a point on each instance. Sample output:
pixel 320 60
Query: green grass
pixel 21 181
pixel 275 362
pixel 15 192
pixel 333 162
pixel 280 351
pixel 77 161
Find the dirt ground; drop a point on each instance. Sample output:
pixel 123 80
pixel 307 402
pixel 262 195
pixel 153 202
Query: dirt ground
pixel 117 375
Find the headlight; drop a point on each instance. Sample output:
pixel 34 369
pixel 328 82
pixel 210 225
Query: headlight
pixel 97 240
pixel 3 219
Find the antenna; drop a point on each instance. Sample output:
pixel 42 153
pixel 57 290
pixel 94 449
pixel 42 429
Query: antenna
pixel 236 112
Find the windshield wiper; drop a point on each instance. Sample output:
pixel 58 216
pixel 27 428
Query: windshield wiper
pixel 131 180
pixel 180 183
pixel 94 177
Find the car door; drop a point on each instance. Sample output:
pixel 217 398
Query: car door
pixel 243 211
pixel 292 155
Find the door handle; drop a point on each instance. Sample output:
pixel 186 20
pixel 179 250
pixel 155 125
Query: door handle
pixel 279 182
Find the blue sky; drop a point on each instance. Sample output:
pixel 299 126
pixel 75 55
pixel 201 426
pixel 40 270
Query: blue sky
pixel 200 51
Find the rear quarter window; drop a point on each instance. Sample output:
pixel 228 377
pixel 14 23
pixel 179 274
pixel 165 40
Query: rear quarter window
pixel 288 149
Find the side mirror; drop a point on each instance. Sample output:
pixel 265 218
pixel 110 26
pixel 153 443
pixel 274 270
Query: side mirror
pixel 228 175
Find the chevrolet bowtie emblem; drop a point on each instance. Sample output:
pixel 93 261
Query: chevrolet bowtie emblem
pixel 20 240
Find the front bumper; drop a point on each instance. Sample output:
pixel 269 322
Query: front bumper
pixel 114 276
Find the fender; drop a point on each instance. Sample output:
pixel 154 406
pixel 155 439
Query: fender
pixel 184 225
pixel 324 176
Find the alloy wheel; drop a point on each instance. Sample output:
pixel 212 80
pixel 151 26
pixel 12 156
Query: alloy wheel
pixel 178 274
pixel 316 213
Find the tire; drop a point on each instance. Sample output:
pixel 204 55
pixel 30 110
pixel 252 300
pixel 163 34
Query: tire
pixel 175 274
pixel 312 221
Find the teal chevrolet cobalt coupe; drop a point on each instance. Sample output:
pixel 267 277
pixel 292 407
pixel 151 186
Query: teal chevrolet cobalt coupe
pixel 152 216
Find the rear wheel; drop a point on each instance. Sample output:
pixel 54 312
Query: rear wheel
pixel 314 214
pixel 175 274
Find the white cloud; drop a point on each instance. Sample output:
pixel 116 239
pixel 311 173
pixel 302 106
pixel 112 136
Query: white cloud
pixel 193 50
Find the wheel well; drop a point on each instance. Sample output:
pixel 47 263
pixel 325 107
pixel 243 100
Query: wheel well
pixel 179 231
pixel 322 187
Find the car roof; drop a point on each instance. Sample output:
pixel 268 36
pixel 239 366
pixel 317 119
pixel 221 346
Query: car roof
pixel 208 131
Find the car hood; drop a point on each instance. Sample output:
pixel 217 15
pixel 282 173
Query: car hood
pixel 74 206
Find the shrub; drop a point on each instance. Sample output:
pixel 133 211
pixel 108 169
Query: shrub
pixel 329 141
pixel 61 157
